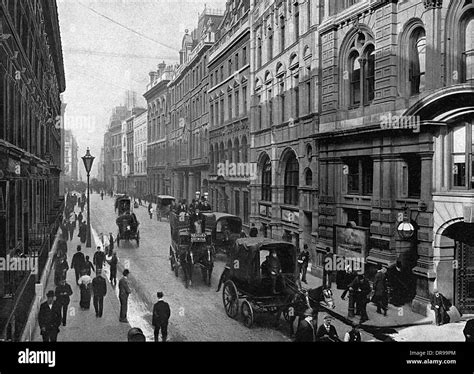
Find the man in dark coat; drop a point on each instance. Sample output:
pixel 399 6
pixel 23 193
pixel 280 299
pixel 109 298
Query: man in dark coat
pixel 327 332
pixel 441 306
pixel 113 269
pixel 361 288
pixel 380 297
pixel 88 266
pixel 99 259
pixel 253 231
pixel 161 316
pixel 99 289
pixel 306 331
pixel 124 292
pixel 63 293
pixel 78 262
pixel 303 261
pixel 60 268
pixel 469 330
pixel 49 318
pixel 274 267
pixel 197 222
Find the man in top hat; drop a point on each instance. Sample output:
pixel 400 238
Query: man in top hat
pixel 49 318
pixel 306 330
pixel 327 332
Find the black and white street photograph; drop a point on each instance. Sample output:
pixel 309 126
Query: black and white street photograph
pixel 237 171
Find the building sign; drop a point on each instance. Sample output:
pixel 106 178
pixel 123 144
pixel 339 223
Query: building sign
pixel 290 216
pixel 351 241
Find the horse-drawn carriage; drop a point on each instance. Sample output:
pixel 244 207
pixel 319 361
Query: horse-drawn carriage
pixel 188 248
pixel 127 222
pixel 227 230
pixel 163 206
pixel 248 287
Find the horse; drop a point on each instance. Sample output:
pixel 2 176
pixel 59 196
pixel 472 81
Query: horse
pixel 311 298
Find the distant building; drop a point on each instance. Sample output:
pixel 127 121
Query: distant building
pixel 140 144
pixel 70 169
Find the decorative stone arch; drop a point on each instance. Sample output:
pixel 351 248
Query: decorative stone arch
pixel 345 51
pixel 293 61
pixel 282 160
pixel 237 151
pixel 268 77
pixel 404 39
pixel 258 84
pixel 457 10
pixel 280 70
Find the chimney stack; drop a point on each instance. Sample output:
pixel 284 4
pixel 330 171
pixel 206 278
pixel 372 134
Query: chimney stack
pixel 153 75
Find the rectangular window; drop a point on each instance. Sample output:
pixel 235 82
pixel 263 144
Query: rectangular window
pixel 237 61
pixel 244 99
pixel 361 218
pixel 259 53
pixel 297 24
pixel 237 103
pixel 244 56
pixel 270 47
pixel 459 156
pixel 270 108
pixel 282 35
pixel 229 106
pixel 360 172
pixel 412 176
pixel 222 119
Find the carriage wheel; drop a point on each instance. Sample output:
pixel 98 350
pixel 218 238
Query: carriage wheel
pixel 230 298
pixel 247 314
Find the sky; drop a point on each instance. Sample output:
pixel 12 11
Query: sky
pixel 109 47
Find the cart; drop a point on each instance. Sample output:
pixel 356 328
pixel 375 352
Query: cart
pixel 163 206
pixel 247 289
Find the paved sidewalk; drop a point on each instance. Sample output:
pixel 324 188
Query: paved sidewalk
pixel 83 325
pixel 400 324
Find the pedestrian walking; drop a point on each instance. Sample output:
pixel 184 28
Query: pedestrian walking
pixel 85 282
pixel 99 258
pixel 380 297
pixel 83 232
pixel 253 231
pixel 49 318
pixel 63 293
pixel 124 292
pixel 353 335
pixel 361 288
pixel 306 330
pixel 113 269
pixel 99 288
pixel 102 195
pixel 440 305
pixel 303 261
pixel 80 217
pixel 161 316
pixel 327 332
pixel 111 243
pixel 150 210
pixel 78 262
pixel 469 330
pixel 89 267
pixel 60 269
pixel 65 230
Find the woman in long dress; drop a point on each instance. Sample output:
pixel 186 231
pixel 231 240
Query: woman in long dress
pixel 85 284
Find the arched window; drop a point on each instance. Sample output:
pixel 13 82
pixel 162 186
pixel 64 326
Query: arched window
pixel 354 79
pixel 417 60
pixel 358 77
pixel 211 158
pixel 266 179
pixel 308 177
pixel 291 180
pixel 468 50
pixel 244 149
pixel 236 151
pixel 369 75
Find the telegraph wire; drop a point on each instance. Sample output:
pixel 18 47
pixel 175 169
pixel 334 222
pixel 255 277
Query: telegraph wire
pixel 126 27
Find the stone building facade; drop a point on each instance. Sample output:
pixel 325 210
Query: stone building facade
pixel 229 108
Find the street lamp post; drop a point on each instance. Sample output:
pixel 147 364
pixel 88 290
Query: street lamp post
pixel 88 160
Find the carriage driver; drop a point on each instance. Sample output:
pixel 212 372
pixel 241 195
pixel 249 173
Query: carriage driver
pixel 274 267
pixel 197 222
